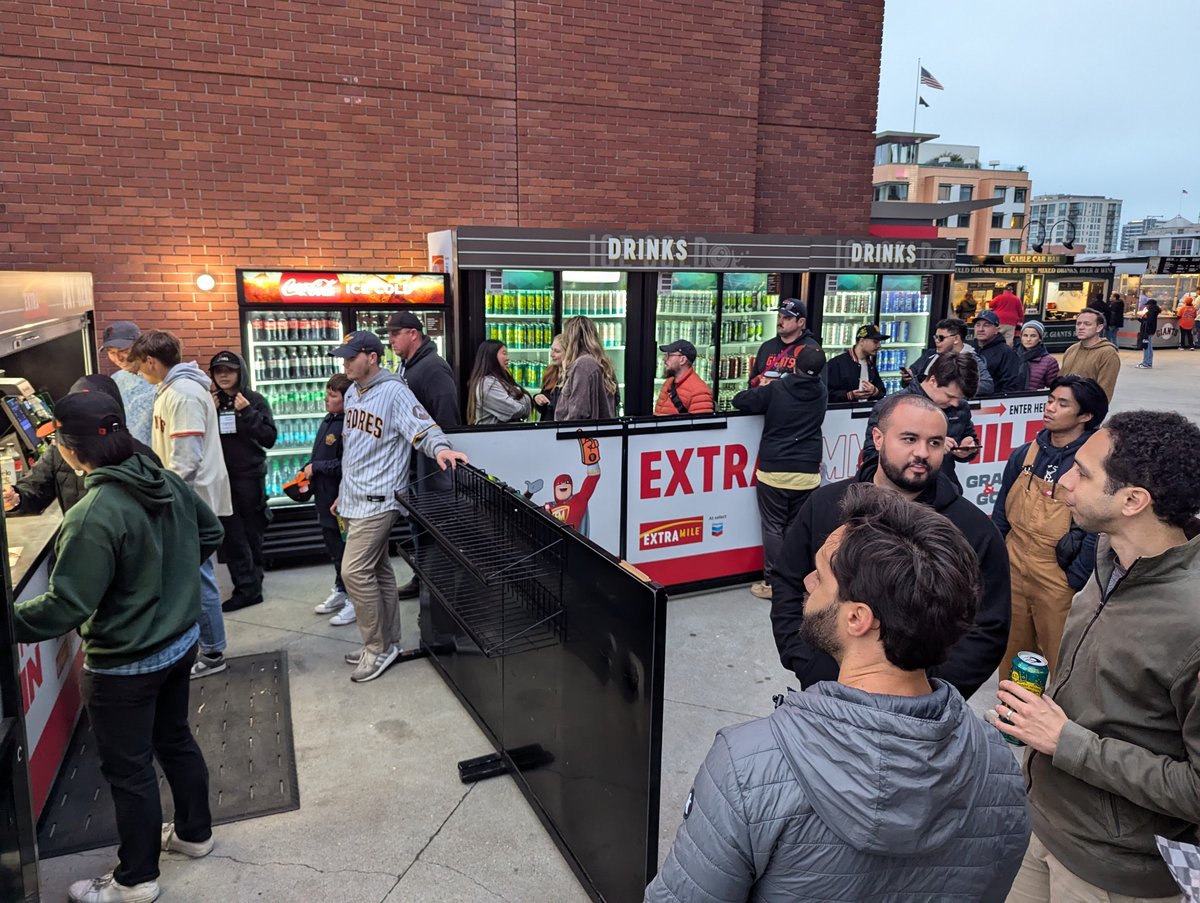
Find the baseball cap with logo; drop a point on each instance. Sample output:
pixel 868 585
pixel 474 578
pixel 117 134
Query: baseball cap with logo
pixel 225 359
pixel 989 316
pixel 356 343
pixel 87 414
pixel 119 335
pixel 403 319
pixel 793 307
pixel 870 331
pixel 684 347
pixel 810 360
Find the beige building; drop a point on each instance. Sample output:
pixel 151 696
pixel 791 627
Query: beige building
pixel 910 167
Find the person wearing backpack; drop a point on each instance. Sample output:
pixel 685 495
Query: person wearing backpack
pixel 684 392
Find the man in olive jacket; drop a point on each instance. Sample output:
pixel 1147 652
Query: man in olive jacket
pixel 883 784
pixel 1116 738
pixel 127 576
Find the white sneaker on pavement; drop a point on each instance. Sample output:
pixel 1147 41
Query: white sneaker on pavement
pixel 172 842
pixel 337 599
pixel 372 666
pixel 761 590
pixel 345 616
pixel 106 889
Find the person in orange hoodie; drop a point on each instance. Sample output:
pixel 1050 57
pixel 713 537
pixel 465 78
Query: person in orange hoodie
pixel 1187 322
pixel 684 392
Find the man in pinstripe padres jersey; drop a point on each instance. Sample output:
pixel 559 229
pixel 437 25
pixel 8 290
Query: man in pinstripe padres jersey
pixel 384 422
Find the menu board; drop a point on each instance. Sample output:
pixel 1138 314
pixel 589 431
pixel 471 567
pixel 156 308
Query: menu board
pixel 311 287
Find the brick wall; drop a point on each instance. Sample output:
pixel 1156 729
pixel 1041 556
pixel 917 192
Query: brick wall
pixel 152 142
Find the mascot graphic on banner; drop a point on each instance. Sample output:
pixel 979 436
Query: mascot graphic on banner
pixel 568 506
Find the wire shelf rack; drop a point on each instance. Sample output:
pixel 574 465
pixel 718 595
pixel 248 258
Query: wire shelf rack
pixel 494 561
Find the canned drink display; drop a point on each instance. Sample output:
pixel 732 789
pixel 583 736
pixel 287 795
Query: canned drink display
pixel 1031 671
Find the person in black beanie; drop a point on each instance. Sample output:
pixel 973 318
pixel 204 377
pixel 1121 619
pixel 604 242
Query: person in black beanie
pixel 247 431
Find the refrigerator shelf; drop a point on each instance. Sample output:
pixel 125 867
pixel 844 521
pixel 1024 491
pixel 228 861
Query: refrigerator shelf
pixel 749 314
pixel 289 343
pixel 287 382
pixel 684 316
pixel 289 449
pixel 303 414
pixel 546 316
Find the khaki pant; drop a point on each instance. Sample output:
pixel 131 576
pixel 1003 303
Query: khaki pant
pixel 1043 879
pixel 370 581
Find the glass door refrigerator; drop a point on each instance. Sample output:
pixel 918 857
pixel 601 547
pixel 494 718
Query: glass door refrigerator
pixel 686 308
pixel 290 322
pixel 900 304
pixel 519 310
pixel 601 296
pixel 749 313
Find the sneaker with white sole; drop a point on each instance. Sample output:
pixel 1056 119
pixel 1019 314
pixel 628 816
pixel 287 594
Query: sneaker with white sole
pixel 106 889
pixel 173 843
pixel 761 590
pixel 345 616
pixel 372 666
pixel 353 658
pixel 207 664
pixel 336 601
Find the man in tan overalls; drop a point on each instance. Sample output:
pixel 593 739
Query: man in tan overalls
pixel 1046 565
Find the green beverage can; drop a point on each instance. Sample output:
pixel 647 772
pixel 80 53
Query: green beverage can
pixel 1031 671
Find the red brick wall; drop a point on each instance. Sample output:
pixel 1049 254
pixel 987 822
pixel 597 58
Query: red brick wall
pixel 153 142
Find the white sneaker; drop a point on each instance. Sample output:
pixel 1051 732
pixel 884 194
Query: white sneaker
pixel 761 590
pixel 345 616
pixel 371 666
pixel 172 842
pixel 336 601
pixel 105 889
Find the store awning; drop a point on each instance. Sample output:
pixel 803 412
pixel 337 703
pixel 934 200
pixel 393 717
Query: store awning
pixel 906 212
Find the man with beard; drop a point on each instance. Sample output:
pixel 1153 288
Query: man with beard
pixel 778 355
pixel 1115 741
pixel 882 783
pixel 910 437
pixel 684 392
pixel 852 375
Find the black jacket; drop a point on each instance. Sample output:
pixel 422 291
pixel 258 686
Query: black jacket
pixel 51 478
pixel 1116 312
pixel 794 408
pixel 546 411
pixel 971 661
pixel 843 375
pixel 245 450
pixel 1150 319
pixel 1050 464
pixel 960 426
pixel 780 356
pixel 326 464
pixel 1002 363
pixel 432 381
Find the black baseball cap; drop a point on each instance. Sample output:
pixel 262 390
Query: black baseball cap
pixel 684 347
pixel 120 335
pixel 403 319
pixel 87 414
pixel 225 359
pixel 810 360
pixel 793 307
pixel 870 331
pixel 356 343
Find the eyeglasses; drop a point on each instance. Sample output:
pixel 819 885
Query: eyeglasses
pixel 942 338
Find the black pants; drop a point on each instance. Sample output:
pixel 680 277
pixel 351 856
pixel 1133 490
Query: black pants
pixel 1186 339
pixel 136 719
pixel 778 510
pixel 241 549
pixel 336 547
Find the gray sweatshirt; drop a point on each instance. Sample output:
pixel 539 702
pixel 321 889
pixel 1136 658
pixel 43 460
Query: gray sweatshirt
pixel 493 404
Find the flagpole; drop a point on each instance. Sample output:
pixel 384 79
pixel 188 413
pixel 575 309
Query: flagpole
pixel 916 94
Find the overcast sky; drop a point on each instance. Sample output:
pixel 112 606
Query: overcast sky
pixel 1099 97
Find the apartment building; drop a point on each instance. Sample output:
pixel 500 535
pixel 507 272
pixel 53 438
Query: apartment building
pixel 1089 222
pixel 1136 228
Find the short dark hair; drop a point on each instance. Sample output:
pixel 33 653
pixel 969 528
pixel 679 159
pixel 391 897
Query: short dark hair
pixel 163 346
pixel 953 324
pixel 100 451
pixel 1095 312
pixel 888 406
pixel 1153 450
pixel 913 567
pixel 1089 395
pixel 339 382
pixel 952 367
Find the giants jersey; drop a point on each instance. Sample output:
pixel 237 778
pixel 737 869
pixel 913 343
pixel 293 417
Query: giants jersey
pixel 383 423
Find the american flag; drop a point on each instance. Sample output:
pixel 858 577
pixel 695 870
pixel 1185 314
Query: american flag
pixel 928 79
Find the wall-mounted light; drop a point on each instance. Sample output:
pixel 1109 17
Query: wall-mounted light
pixel 205 282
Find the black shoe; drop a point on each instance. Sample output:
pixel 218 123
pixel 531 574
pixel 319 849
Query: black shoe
pixel 410 590
pixel 234 603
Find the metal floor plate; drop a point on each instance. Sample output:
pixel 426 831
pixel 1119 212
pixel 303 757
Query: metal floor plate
pixel 242 719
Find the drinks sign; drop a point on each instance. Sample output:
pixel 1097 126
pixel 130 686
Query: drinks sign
pixel 308 287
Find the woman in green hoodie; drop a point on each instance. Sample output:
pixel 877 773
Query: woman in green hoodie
pixel 127 575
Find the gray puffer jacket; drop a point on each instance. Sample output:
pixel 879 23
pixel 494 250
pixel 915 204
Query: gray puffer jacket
pixel 842 795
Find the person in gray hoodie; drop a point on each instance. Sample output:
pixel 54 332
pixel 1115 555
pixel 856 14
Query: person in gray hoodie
pixel 882 785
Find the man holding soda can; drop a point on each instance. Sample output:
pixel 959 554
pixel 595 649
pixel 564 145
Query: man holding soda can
pixel 1115 739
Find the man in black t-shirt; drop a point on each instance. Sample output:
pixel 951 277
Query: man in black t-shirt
pixel 778 355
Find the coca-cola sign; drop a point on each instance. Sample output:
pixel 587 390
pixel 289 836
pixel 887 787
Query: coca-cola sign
pixel 263 288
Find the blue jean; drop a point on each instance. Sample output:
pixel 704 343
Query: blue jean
pixel 1148 353
pixel 212 622
pixel 1111 334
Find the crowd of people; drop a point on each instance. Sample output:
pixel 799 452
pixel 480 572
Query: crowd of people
pixel 893 599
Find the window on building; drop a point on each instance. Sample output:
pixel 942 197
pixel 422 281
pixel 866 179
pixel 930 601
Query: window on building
pixel 1017 221
pixel 891 191
pixel 994 246
pixel 1014 246
pixel 1020 195
pixel 997 220
pixel 944 192
pixel 1148 244
pixel 1000 191
pixel 964 220
pixel 943 223
pixel 1181 246
pixel 961 246
pixel 966 192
